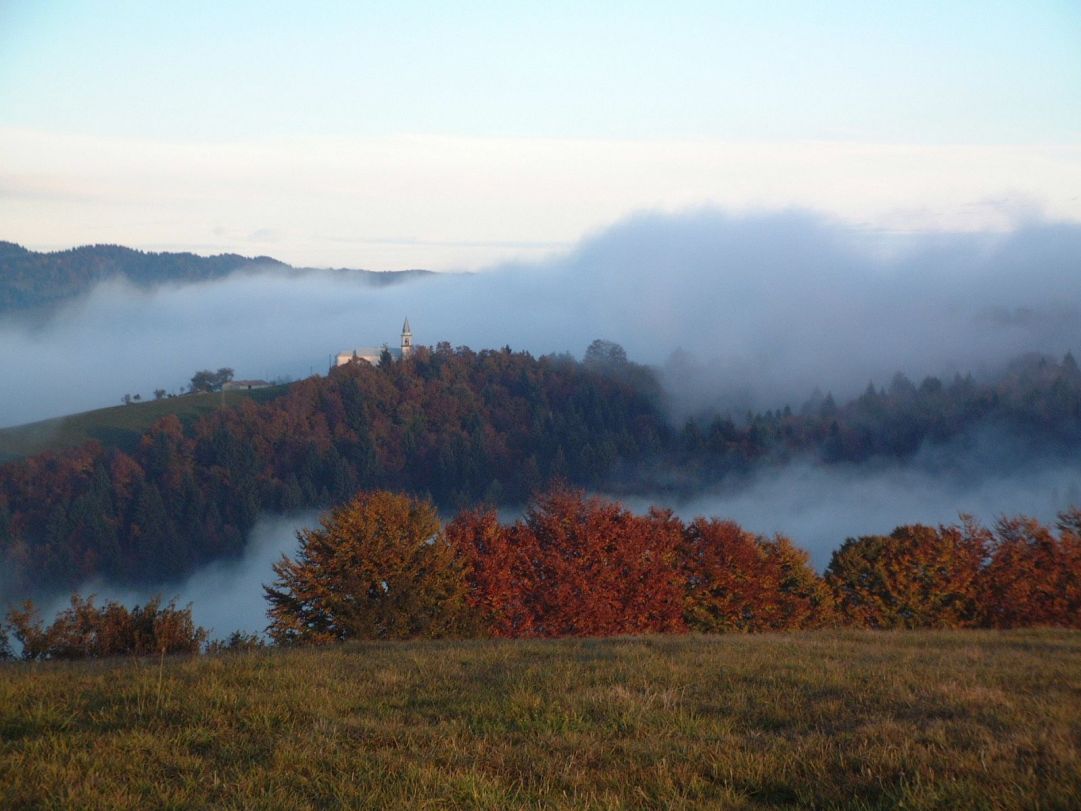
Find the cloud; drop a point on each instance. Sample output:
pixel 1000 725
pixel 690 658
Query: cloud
pixel 266 235
pixel 472 202
pixel 768 306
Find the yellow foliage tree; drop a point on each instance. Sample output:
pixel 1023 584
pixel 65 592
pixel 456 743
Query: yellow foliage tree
pixel 916 577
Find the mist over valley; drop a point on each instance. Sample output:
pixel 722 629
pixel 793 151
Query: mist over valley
pixel 739 311
pixel 797 378
pixel 552 405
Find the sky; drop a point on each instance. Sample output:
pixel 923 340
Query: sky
pixel 465 135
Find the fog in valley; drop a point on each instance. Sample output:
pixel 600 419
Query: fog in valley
pixel 759 309
pixel 752 311
pixel 225 596
pixel 817 507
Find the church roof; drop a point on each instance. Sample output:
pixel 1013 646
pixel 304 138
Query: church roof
pixel 405 326
pixel 372 351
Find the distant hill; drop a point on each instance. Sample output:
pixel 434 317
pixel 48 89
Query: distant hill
pixel 30 280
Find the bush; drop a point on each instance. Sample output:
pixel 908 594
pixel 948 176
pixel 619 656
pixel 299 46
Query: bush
pixel 84 630
pixel 237 641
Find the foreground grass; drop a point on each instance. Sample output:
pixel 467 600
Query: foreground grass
pixel 118 426
pixel 839 719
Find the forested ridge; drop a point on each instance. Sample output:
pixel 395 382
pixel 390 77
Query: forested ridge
pixel 36 280
pixel 462 427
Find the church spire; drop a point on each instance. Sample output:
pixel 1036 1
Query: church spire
pixel 407 340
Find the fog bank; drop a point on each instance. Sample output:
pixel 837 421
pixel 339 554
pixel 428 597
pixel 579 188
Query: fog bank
pixel 765 306
pixel 820 507
pixel 225 596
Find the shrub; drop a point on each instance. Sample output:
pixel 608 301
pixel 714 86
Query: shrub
pixel 84 630
pixel 236 641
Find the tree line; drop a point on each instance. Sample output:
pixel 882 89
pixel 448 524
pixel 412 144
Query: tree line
pixel 462 428
pixel 383 566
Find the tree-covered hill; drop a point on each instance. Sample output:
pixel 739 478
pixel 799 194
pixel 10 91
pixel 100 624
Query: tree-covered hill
pixel 457 425
pixel 465 427
pixel 34 280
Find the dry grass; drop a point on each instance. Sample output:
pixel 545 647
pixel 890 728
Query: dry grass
pixel 838 719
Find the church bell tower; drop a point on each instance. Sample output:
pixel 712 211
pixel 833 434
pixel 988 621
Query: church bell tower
pixel 407 340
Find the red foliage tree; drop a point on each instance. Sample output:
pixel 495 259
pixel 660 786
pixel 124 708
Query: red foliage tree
pixel 599 570
pixel 1033 577
pixel 499 573
pixel 737 581
pixel 575 566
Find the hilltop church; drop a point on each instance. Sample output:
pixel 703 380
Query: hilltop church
pixel 370 354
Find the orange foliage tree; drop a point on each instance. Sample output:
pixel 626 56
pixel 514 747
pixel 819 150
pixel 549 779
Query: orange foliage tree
pixel 378 567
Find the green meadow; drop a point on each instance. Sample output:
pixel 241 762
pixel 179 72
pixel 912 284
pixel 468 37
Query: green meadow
pixel 119 426
pixel 837 719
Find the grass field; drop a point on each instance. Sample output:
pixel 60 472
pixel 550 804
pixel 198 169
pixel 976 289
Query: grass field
pixel 838 719
pixel 119 426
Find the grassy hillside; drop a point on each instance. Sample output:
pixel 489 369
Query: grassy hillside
pixel 117 426
pixel 864 720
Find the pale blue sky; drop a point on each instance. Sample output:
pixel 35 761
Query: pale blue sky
pixel 134 74
pixel 938 72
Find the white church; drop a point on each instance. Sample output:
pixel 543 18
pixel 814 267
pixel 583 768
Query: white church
pixel 371 354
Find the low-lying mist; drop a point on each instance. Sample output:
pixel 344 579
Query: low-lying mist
pixel 819 507
pixel 816 506
pixel 225 596
pixel 759 311
pixel 765 308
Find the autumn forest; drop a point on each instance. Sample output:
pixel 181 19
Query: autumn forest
pixel 462 428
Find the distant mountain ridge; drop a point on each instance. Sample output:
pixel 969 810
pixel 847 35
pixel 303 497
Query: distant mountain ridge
pixel 32 280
